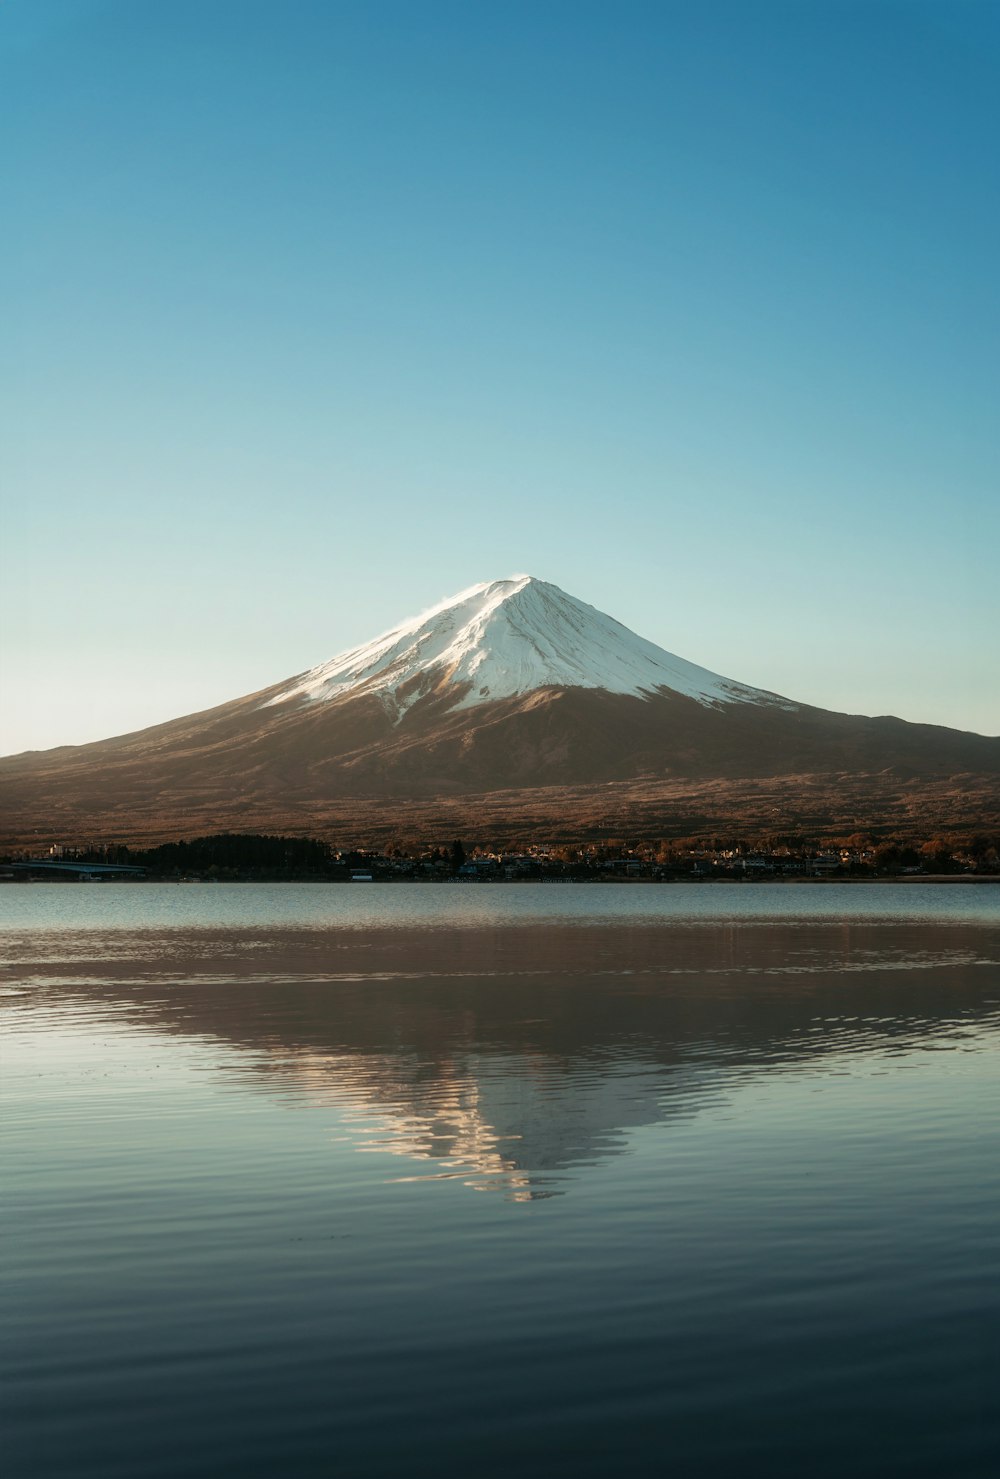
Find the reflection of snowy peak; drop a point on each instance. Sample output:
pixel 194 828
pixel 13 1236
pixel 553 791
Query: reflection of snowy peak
pixel 510 637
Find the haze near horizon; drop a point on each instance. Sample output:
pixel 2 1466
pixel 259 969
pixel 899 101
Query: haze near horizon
pixel 319 316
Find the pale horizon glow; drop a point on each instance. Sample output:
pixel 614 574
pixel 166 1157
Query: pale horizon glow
pixel 316 316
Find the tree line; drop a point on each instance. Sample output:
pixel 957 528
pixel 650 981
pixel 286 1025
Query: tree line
pixel 266 857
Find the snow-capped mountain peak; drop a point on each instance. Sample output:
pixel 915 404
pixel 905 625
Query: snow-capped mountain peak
pixel 510 637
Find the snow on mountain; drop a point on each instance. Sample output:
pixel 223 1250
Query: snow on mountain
pixel 510 637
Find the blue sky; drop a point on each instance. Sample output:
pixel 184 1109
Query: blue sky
pixel 318 312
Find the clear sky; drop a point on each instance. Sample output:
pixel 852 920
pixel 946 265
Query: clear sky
pixel 315 313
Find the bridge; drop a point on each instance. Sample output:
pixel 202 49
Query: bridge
pixel 42 867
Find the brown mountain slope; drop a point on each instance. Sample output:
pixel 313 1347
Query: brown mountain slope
pixel 559 754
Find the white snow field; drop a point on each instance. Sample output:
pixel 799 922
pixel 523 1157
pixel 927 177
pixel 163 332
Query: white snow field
pixel 510 637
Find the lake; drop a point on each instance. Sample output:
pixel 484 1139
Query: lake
pixel 561 1180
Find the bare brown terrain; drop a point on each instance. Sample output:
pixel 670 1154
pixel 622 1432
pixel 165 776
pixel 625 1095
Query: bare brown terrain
pixel 560 764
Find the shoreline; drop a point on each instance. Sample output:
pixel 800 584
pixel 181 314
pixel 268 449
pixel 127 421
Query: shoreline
pixel 926 878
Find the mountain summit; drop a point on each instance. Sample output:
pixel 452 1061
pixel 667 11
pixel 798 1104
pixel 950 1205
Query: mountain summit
pixel 509 637
pixel 511 710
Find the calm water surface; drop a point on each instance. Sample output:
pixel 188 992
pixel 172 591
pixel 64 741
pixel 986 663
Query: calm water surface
pixel 561 1180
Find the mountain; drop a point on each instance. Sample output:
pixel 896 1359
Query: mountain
pixel 512 707
pixel 504 639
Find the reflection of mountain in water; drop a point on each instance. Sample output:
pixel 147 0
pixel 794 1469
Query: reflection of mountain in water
pixel 512 1058
pixel 499 1120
